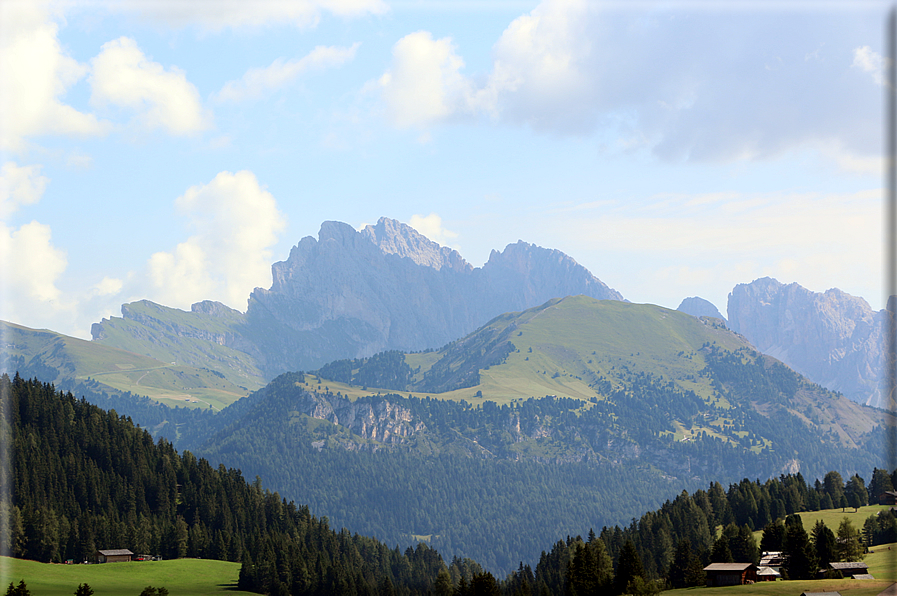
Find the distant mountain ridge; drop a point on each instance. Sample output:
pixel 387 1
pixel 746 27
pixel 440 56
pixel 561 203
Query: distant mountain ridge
pixel 833 338
pixel 351 294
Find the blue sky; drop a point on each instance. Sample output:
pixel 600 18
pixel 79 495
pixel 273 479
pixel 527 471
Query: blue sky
pixel 174 150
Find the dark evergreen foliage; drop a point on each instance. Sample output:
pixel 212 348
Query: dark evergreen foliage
pixel 85 479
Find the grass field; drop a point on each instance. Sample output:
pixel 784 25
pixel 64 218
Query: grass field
pixel 832 518
pixel 182 577
pixel 882 565
pixel 793 588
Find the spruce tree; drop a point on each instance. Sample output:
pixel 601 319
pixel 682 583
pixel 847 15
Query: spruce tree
pixel 824 543
pixel 850 542
pixel 799 553
pixel 720 552
pixel 629 567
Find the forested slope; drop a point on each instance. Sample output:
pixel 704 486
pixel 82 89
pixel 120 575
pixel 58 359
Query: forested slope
pixel 84 479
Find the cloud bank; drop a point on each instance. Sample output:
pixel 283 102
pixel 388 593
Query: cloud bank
pixel 684 84
pixel 235 222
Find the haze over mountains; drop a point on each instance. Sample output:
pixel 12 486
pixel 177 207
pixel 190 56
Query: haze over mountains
pixel 351 294
pixel 529 370
pixel 832 337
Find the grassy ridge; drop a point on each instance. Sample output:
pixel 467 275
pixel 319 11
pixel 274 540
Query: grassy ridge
pixel 182 577
pixel 60 359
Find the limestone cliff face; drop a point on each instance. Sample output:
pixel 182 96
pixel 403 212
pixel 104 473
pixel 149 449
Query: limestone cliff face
pixel 351 294
pixel 395 238
pixel 833 338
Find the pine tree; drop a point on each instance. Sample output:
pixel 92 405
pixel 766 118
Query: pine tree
pixel 857 496
pixel 773 536
pixel 880 483
pixel 850 542
pixel 679 565
pixel 720 552
pixel 800 555
pixel 629 567
pixel 824 543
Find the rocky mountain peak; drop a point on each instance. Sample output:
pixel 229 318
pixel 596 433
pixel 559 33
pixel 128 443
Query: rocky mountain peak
pixel 394 237
pixel 536 274
pixel 698 307
pixel 833 338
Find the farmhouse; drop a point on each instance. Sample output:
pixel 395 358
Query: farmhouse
pixel 850 568
pixel 889 497
pixel 117 555
pixel 767 574
pixel 772 559
pixel 730 574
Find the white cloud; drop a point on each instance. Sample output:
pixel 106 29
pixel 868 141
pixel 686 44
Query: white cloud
pixel 424 84
pixel 259 82
pixel 868 61
pixel 20 185
pixel 108 286
pixel 217 15
pixel 540 63
pixel 32 264
pixel 34 65
pixel 678 83
pixel 431 227
pixel 123 76
pixel 235 222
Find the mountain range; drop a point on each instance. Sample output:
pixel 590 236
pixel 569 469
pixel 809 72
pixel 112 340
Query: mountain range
pixel 522 393
pixel 352 293
pixel 831 337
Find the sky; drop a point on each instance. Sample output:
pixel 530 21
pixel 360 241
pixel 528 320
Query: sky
pixel 173 150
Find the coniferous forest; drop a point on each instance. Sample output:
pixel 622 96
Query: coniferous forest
pixel 85 479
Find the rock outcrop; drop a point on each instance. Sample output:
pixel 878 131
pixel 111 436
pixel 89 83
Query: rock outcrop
pixel 832 338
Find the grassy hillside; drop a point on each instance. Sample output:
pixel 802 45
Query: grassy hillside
pixel 182 577
pixel 64 360
pixel 590 350
pixel 564 346
pixel 196 339
pixel 832 518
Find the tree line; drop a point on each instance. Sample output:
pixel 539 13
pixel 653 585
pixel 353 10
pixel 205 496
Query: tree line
pixel 85 479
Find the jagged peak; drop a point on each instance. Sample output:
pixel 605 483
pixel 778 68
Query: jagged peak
pixel 394 237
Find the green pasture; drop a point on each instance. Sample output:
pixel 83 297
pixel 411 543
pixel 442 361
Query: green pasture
pixel 881 562
pixel 845 587
pixel 182 577
pixel 832 518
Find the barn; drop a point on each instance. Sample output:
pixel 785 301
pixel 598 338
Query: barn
pixel 117 555
pixel 730 574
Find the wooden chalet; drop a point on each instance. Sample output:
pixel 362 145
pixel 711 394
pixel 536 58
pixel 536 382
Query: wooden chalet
pixel 767 574
pixel 772 559
pixel 730 574
pixel 850 568
pixel 889 497
pixel 117 555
